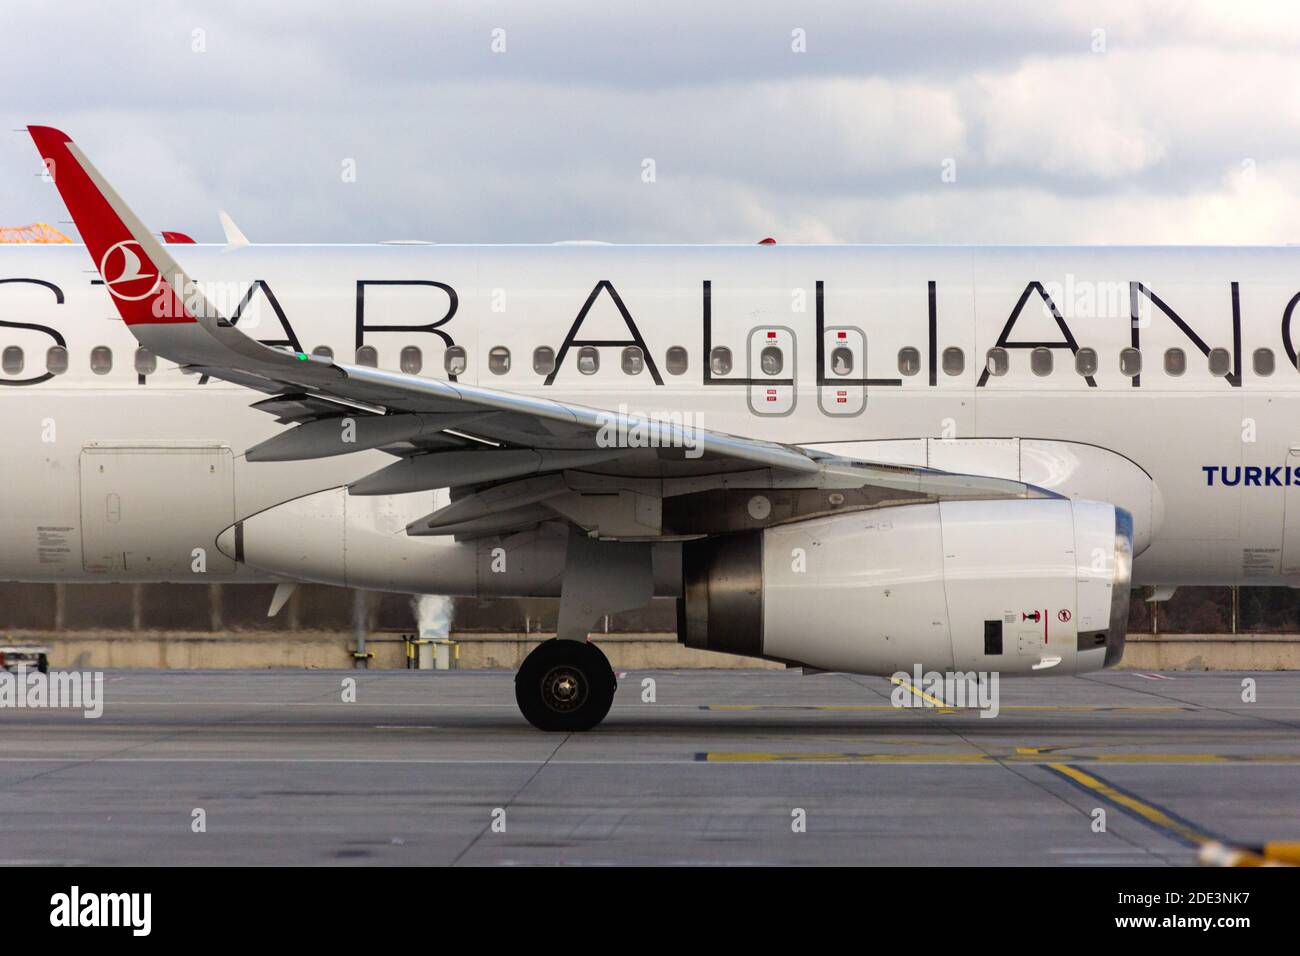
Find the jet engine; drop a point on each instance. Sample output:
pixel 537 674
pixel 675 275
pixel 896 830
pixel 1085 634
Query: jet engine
pixel 1013 586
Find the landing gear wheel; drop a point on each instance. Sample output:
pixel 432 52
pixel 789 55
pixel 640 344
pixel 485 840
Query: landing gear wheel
pixel 565 686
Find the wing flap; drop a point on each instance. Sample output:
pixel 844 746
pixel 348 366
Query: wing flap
pixel 342 434
pixel 456 469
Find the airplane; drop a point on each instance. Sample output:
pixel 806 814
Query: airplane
pixel 845 458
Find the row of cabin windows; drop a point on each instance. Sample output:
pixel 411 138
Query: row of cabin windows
pixel 12 361
pixel 1041 361
pixel 411 360
pixel 455 361
pixel 771 360
pixel 632 360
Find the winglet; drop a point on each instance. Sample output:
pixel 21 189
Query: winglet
pixel 163 307
pixel 141 277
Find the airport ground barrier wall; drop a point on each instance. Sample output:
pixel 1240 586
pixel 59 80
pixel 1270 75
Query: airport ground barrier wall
pixel 660 650
pixel 216 626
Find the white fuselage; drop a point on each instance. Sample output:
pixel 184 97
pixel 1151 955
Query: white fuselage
pixel 85 452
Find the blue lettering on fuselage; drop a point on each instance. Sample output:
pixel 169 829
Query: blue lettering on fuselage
pixel 1251 476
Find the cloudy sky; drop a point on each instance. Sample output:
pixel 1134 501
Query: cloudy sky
pixel 1097 121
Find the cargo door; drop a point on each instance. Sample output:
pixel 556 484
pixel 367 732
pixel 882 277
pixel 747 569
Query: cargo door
pixel 146 508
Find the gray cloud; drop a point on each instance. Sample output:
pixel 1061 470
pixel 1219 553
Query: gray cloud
pixel 1183 129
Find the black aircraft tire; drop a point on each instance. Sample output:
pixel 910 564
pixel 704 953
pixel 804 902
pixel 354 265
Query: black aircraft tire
pixel 565 686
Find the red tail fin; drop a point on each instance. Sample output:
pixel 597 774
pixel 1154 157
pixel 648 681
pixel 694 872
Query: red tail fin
pixel 141 277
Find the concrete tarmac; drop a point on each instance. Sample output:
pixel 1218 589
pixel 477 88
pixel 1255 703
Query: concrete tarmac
pixel 723 767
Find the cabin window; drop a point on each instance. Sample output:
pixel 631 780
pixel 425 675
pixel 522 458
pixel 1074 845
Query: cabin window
pixel 842 360
pixel 498 360
pixel 368 356
pixel 1130 362
pixel 146 363
pixel 411 360
pixel 677 360
pixel 909 361
pixel 720 361
pixel 1263 361
pixel 1040 361
pixel 543 360
pixel 101 360
pixel 771 361
pixel 56 360
pixel 1175 362
pixel 12 360
pixel 998 361
pixel 1085 362
pixel 954 361
pixel 1220 362
pixel 588 360
pixel 633 360
pixel 454 360
pixel 323 351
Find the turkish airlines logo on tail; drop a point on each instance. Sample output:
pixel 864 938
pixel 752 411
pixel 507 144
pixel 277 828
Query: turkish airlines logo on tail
pixel 122 272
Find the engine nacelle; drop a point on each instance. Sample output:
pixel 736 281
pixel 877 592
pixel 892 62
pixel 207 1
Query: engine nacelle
pixel 1013 586
pixel 354 541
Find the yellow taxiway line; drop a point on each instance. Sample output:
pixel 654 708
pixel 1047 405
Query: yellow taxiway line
pixel 1031 755
pixel 947 708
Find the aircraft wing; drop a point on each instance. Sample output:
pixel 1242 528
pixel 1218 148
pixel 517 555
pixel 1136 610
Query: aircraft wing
pixel 449 434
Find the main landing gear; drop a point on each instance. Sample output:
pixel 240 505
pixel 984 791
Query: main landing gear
pixel 565 686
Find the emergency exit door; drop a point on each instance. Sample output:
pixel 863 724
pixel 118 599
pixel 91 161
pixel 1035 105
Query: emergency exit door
pixel 772 363
pixel 841 377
